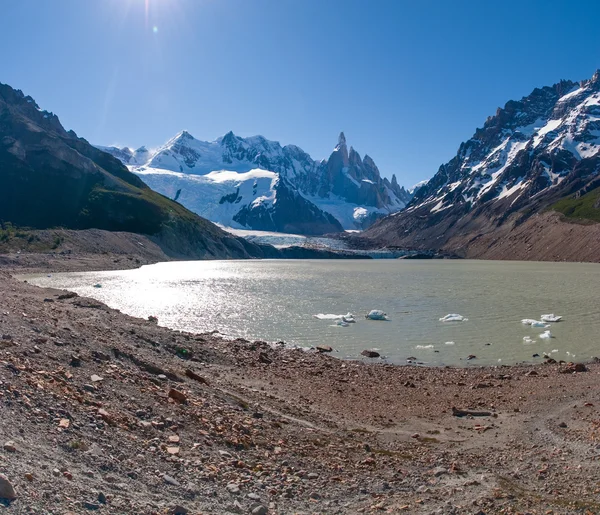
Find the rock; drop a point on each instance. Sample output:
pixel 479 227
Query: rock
pixel 259 510
pixel 100 356
pixel 312 475
pixel 75 361
pixel 324 348
pixel 101 498
pixel 29 476
pixel 177 396
pixel 96 378
pixel 574 367
pixel 173 450
pixel 91 505
pixel 562 424
pixel 370 353
pixel 174 439
pixel 233 488
pixel 106 416
pixel 64 423
pixel 90 388
pixel 171 480
pixel 178 510
pixel 10 446
pixel 6 489
pixel 531 373
pixel 192 375
pixel 55 472
pixel 263 358
pixel 439 471
pixel 471 356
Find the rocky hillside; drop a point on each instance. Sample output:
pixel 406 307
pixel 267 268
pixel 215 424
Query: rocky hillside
pixel 255 183
pixel 51 178
pixel 535 154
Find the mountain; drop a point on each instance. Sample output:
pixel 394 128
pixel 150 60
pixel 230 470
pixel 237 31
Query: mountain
pixel 51 178
pixel 534 156
pixel 255 183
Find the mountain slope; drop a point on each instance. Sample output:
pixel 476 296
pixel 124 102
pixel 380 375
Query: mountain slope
pixel 530 155
pixel 49 178
pixel 307 196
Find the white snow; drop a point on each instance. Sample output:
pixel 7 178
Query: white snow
pixel 204 194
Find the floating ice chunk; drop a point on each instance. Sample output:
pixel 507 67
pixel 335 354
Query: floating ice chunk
pixel 424 347
pixel 553 351
pixel 551 317
pixel 349 318
pixel 331 316
pixel 528 321
pixel 537 323
pixel 453 317
pixel 449 343
pixel 527 339
pixel 546 335
pixel 342 323
pixel 376 314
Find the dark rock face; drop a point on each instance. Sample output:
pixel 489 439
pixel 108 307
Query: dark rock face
pixel 292 213
pixel 51 178
pixel 525 158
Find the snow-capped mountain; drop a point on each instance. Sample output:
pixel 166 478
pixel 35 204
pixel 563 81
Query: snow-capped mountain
pixel 258 184
pixel 532 153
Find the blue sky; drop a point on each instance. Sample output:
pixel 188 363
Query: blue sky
pixel 407 81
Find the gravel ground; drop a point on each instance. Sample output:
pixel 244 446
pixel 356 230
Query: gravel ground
pixel 103 412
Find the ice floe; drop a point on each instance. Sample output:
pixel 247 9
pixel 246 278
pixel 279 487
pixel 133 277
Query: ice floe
pixel 376 314
pixel 546 335
pixel 330 316
pixel 551 317
pixel 453 317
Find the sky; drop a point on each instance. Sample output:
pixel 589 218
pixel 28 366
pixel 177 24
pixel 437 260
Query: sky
pixel 407 81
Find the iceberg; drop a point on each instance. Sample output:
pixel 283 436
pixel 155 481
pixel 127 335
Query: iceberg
pixel 551 317
pixel 546 335
pixel 376 314
pixel 453 317
pixel 349 317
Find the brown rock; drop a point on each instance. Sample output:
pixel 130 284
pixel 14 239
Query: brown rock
pixel 370 353
pixel 173 450
pixel 10 446
pixel 6 489
pixel 178 396
pixel 106 416
pixel 192 375
pixel 324 348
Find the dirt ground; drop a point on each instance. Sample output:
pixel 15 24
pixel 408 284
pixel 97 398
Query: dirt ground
pixel 103 412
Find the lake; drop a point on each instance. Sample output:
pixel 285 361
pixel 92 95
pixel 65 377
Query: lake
pixel 276 300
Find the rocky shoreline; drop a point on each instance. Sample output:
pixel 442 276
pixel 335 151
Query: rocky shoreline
pixel 103 412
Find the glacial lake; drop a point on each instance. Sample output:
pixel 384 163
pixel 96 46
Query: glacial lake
pixel 276 300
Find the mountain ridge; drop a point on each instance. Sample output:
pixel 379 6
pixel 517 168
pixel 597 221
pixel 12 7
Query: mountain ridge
pixel 344 191
pixel 525 158
pixel 50 177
